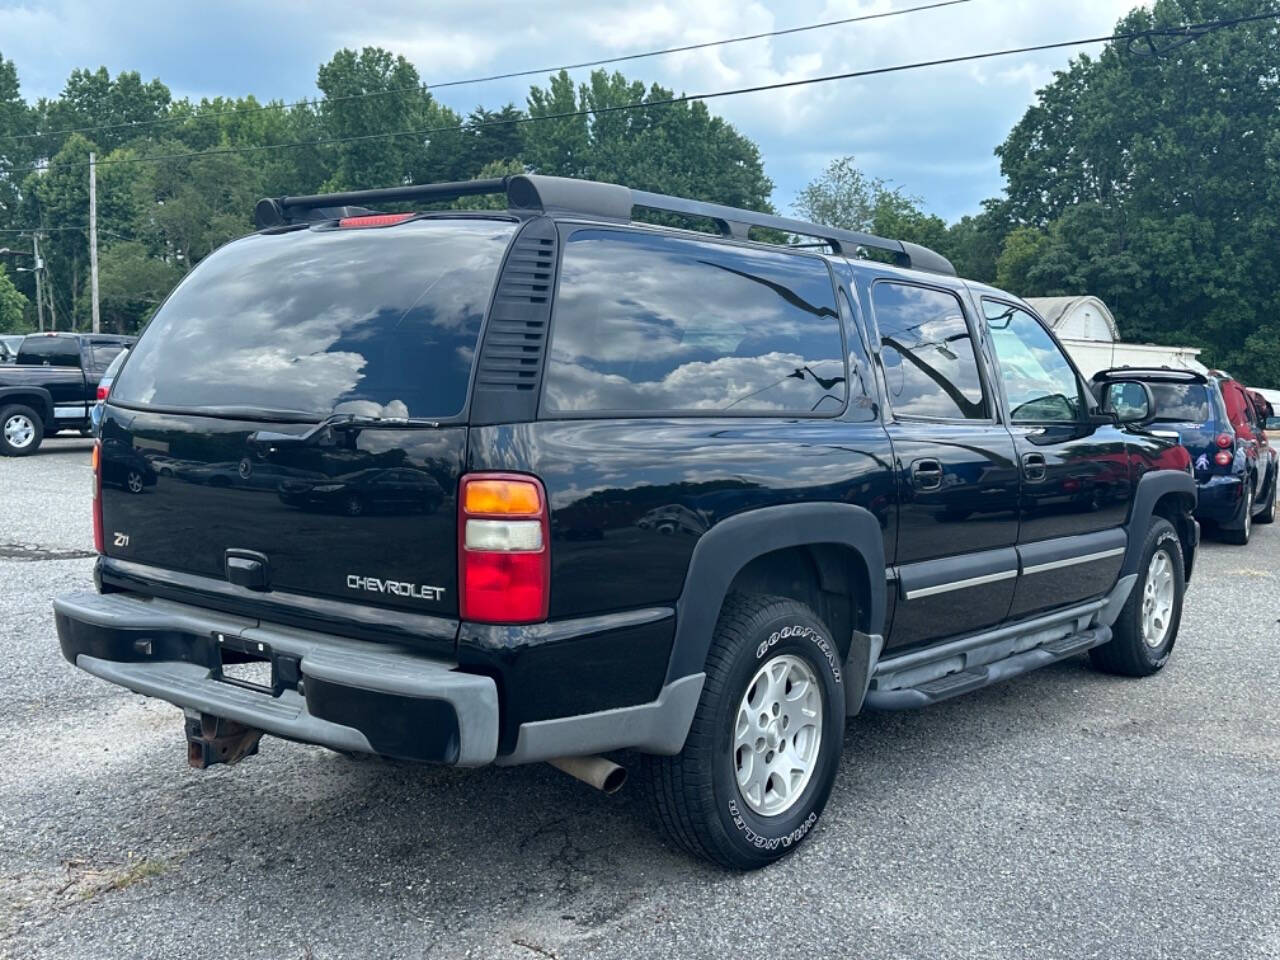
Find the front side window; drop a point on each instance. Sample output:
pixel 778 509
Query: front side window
pixel 1039 381
pixel 926 347
pixel 649 323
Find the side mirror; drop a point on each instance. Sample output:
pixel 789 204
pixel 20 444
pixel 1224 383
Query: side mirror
pixel 1130 401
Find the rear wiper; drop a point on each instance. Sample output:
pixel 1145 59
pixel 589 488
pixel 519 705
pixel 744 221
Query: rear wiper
pixel 339 421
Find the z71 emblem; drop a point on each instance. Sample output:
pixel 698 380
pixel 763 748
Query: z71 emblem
pixel 121 539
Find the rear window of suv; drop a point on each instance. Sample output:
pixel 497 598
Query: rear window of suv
pixel 1181 402
pixel 376 322
pixel 652 324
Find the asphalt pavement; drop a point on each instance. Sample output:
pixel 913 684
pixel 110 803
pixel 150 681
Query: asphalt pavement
pixel 1062 814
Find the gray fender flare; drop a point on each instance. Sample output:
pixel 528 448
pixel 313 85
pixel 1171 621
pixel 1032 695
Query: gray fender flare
pixel 44 404
pixel 731 544
pixel 1151 488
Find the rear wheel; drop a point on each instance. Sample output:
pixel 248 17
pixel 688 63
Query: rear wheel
pixel 762 752
pixel 21 431
pixel 1144 633
pixel 1241 535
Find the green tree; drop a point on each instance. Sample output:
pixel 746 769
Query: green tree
pixel 1155 181
pixel 13 305
pixel 132 284
pixel 678 148
pixel 372 93
pixel 844 196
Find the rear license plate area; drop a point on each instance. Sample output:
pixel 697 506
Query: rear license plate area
pixel 253 665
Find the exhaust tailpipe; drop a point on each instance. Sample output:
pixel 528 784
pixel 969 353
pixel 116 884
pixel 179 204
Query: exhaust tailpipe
pixel 604 775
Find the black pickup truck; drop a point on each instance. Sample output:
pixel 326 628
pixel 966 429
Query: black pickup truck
pixel 51 385
pixel 549 482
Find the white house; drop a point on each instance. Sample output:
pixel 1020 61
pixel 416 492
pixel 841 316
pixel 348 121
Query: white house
pixel 1089 333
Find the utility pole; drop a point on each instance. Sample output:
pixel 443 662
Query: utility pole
pixel 35 250
pixel 93 241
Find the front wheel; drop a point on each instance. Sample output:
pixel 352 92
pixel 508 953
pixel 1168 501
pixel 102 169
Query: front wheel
pixel 21 431
pixel 762 752
pixel 1144 633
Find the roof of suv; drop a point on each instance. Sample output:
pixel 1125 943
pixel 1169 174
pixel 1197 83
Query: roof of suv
pixel 533 195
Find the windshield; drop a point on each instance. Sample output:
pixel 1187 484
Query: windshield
pixel 378 322
pixel 1181 402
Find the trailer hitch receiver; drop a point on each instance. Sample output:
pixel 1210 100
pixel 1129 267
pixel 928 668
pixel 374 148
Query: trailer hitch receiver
pixel 213 740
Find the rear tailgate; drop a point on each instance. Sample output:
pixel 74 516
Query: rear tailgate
pixel 297 408
pixel 368 518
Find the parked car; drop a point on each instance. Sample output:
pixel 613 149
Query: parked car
pixel 1214 418
pixel 817 483
pixel 51 386
pixel 104 388
pixel 9 348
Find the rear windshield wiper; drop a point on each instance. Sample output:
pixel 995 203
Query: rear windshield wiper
pixel 338 421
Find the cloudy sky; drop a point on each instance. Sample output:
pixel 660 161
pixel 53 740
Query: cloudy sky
pixel 931 131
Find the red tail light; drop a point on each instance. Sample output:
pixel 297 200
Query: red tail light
pixel 1223 458
pixel 375 220
pixel 1224 440
pixel 96 460
pixel 102 393
pixel 504 554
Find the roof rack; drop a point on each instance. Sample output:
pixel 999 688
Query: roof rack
pixel 528 193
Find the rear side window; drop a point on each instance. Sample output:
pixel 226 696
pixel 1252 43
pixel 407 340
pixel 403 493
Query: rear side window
pixel 372 322
pixel 648 323
pixel 926 347
pixel 105 352
pixel 50 351
pixel 1181 402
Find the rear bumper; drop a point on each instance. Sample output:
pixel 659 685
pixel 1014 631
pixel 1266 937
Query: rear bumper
pixel 342 693
pixel 1220 499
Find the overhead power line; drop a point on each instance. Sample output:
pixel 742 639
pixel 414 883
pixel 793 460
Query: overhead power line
pixel 688 98
pixel 419 88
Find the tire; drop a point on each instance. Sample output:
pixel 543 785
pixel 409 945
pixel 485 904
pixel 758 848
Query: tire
pixel 21 431
pixel 696 793
pixel 1268 515
pixel 1132 651
pixel 1241 536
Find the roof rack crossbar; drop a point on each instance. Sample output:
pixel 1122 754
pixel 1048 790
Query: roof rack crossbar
pixel 273 211
pixel 533 192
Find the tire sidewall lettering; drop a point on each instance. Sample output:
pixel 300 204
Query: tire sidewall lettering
pixel 762 842
pixel 801 632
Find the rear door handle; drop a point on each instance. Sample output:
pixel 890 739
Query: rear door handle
pixel 926 474
pixel 1034 467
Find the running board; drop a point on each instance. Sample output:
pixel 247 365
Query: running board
pixel 964 678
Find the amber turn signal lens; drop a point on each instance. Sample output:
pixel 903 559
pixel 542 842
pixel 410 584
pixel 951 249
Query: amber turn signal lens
pixel 502 497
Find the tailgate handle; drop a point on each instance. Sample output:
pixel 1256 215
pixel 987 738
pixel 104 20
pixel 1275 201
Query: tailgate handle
pixel 247 568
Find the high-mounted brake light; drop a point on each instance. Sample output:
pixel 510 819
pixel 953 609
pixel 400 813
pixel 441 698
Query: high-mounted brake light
pixel 375 220
pixel 504 557
pixel 95 459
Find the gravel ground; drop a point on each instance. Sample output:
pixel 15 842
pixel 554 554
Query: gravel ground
pixel 1064 814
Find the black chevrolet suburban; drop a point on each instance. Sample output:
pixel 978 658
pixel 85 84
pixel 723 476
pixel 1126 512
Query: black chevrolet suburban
pixel 560 480
pixel 51 386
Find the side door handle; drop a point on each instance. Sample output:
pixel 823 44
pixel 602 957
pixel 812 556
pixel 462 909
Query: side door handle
pixel 1034 467
pixel 926 474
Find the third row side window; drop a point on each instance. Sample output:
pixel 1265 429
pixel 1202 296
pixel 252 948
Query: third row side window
pixel 652 324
